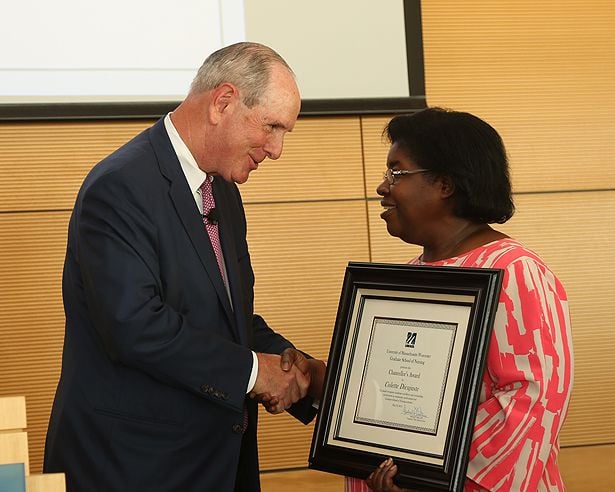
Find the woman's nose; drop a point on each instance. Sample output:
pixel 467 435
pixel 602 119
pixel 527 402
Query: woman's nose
pixel 383 187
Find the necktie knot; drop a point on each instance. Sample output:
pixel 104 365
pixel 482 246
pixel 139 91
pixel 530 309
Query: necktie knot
pixel 207 196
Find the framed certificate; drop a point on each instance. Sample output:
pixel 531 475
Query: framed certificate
pixel 404 372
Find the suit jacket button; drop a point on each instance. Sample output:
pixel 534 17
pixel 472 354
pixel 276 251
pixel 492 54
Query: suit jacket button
pixel 205 388
pixel 237 429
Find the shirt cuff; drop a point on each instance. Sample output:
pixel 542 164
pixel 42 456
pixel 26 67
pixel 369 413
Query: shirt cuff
pixel 253 374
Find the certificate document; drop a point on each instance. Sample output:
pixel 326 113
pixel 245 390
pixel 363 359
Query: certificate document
pixel 405 374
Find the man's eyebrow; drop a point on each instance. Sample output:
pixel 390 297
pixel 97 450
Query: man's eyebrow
pixel 279 124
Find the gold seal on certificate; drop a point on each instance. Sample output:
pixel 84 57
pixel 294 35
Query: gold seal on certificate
pixel 404 371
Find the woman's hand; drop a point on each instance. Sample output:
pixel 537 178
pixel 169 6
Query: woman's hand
pixel 381 479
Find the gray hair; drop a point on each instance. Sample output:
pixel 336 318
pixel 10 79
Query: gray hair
pixel 246 65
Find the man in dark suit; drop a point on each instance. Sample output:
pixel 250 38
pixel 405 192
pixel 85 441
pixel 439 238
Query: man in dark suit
pixel 162 346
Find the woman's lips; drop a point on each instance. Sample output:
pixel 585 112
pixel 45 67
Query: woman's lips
pixel 387 210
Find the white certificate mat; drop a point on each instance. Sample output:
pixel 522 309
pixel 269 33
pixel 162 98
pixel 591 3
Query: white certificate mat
pixel 400 369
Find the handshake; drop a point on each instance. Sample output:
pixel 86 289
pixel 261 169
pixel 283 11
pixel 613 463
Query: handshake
pixel 284 379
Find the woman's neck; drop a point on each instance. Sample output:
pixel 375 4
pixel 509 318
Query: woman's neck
pixel 459 239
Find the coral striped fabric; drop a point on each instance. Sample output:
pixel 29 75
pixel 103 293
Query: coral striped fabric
pixel 528 380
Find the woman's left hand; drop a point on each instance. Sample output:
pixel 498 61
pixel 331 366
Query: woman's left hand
pixel 381 479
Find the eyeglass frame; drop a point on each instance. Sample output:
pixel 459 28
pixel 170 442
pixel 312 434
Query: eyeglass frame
pixel 391 174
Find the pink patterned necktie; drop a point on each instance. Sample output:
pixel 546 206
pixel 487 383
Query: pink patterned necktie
pixel 211 223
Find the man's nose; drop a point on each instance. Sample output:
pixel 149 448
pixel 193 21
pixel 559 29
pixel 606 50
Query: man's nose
pixel 274 146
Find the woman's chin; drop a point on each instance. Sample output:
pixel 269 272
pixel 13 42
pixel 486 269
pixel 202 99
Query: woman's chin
pixel 393 230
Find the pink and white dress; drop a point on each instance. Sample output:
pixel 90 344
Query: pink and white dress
pixel 528 377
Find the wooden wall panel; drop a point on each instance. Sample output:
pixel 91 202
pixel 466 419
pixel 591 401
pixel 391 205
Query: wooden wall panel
pixel 321 160
pixel 540 72
pixel 32 247
pixel 43 164
pixel 299 252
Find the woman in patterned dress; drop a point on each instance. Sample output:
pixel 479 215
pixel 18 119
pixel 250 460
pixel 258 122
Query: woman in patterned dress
pixel 447 179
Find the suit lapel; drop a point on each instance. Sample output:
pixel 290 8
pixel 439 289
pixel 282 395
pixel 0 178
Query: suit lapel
pixel 188 214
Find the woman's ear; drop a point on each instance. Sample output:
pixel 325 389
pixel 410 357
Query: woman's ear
pixel 447 186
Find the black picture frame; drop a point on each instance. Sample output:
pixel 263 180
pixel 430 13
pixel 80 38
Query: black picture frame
pixel 445 315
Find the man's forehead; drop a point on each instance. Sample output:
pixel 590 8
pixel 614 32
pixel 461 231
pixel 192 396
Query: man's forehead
pixel 280 106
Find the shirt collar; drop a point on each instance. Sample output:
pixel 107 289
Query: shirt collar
pixel 194 174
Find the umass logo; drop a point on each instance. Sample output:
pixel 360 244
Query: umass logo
pixel 410 339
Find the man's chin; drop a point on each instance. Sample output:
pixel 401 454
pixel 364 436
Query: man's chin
pixel 242 178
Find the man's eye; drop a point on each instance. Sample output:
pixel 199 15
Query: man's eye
pixel 271 127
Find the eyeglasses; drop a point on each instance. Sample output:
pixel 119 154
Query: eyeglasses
pixel 391 174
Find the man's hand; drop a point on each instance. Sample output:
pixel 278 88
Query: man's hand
pixel 313 369
pixel 276 388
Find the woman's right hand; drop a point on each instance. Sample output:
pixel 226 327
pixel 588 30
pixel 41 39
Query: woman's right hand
pixel 381 479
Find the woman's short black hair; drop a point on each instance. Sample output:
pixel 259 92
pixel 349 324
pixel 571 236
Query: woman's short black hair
pixel 467 150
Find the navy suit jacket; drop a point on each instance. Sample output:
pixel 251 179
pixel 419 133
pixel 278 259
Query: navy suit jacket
pixel 156 361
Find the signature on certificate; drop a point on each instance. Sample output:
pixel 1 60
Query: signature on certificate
pixel 414 412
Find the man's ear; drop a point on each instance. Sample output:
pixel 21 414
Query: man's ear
pixel 223 98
